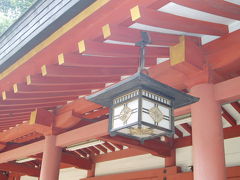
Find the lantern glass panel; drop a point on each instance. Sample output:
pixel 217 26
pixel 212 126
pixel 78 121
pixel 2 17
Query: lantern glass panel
pixel 156 114
pixel 125 113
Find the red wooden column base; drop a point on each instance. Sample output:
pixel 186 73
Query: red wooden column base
pixel 207 135
pixel 51 159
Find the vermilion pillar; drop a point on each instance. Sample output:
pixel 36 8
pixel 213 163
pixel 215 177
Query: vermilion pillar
pixel 91 172
pixel 207 135
pixel 51 159
pixel 171 160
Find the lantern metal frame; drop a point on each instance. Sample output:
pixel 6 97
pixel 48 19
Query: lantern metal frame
pixel 140 81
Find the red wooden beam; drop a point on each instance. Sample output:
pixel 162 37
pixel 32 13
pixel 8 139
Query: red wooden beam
pixel 229 118
pixel 84 133
pixel 16 132
pixel 236 106
pixel 94 150
pixel 22 152
pixel 87 151
pixel 221 94
pixel 62 88
pixel 77 162
pixel 96 113
pixel 23 102
pixel 71 137
pixel 178 132
pixel 71 160
pixel 66 41
pixel 220 8
pixel 187 57
pixel 27 138
pixel 151 146
pixel 172 173
pixel 44 80
pixel 163 173
pixel 233 172
pixel 13 108
pixel 169 21
pixel 25 110
pixel 2 146
pixel 72 113
pixel 80 106
pixel 130 35
pixel 119 146
pixel 81 153
pixel 15 114
pixel 223 51
pixel 35 96
pixel 63 140
pixel 65 71
pixel 187 127
pixel 13 118
pixel 3 176
pixel 42 117
pixel 20 168
pixel 229 132
pixel 102 148
pixel 130 152
pixel 109 146
pixel 78 60
pixel 106 49
pixel 183 142
pixel 40 121
pixel 227 91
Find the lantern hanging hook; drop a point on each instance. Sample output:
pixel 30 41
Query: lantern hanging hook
pixel 142 44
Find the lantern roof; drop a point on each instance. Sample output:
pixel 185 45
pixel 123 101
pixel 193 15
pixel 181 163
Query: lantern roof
pixel 106 96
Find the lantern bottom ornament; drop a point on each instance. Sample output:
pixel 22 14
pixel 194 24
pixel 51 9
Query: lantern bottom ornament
pixel 141 107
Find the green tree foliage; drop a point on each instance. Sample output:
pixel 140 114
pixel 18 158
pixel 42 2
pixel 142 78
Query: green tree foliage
pixel 11 10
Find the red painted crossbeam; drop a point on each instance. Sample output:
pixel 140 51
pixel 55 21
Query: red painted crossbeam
pixel 109 146
pixel 80 152
pixel 12 118
pixel 102 148
pixel 229 118
pixel 130 35
pixel 45 80
pixel 49 95
pixel 10 103
pixel 178 23
pixel 151 146
pixel 13 108
pixel 94 150
pixel 115 50
pixel 236 106
pixel 178 132
pixel 14 114
pixel 78 60
pixel 62 88
pixel 69 71
pixel 187 127
pixel 220 8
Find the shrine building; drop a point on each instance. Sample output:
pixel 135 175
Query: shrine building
pixel 121 90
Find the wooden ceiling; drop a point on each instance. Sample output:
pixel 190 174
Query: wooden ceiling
pixel 99 50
